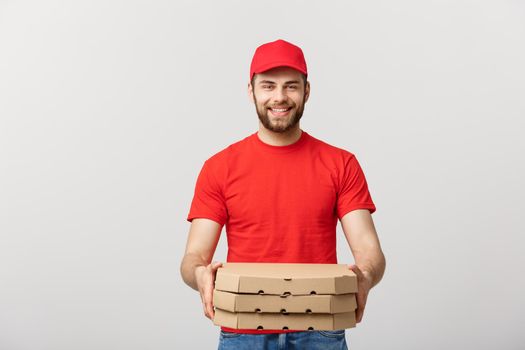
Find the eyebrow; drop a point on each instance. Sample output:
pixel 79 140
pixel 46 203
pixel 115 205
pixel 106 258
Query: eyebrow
pixel 272 82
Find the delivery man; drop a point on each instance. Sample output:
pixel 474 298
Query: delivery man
pixel 280 192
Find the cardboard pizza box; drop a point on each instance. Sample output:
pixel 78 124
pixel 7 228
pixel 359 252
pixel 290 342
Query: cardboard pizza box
pixel 278 321
pixel 285 279
pixel 320 303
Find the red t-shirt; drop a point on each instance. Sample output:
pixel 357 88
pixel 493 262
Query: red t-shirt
pixel 280 203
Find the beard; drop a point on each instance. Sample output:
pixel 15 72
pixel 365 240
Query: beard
pixel 281 125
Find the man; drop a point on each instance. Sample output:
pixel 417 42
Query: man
pixel 280 192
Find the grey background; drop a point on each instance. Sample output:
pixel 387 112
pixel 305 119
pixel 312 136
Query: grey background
pixel 109 108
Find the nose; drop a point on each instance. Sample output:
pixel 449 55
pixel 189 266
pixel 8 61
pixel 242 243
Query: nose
pixel 280 95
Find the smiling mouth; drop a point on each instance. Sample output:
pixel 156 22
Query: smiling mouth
pixel 279 112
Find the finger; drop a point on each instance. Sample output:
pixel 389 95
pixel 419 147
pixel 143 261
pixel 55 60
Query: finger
pixel 209 310
pixel 358 312
pixel 207 294
pixel 361 300
pixel 215 265
pixel 359 316
pixel 208 298
pixel 212 312
pixel 208 307
pixel 361 307
pixel 356 270
pixel 205 310
pixel 361 295
pixel 205 299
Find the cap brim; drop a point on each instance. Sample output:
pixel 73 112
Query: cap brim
pixel 272 65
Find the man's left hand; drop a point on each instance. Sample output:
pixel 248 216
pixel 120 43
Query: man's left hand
pixel 364 284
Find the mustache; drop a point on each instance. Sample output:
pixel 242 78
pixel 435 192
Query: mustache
pixel 280 106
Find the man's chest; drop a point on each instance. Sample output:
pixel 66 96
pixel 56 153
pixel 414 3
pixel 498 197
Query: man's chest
pixel 281 192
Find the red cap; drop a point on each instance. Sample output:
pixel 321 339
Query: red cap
pixel 278 53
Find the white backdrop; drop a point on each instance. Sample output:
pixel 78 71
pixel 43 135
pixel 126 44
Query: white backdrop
pixel 109 108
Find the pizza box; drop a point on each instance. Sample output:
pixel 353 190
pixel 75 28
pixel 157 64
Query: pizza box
pixel 286 279
pixel 279 321
pixel 319 303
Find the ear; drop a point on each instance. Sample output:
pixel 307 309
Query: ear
pixel 250 92
pixel 306 91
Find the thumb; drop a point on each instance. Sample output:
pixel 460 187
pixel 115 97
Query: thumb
pixel 215 265
pixel 356 270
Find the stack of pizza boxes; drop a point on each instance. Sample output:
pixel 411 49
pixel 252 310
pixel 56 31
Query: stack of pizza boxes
pixel 285 296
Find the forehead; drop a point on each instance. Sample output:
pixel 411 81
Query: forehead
pixel 279 74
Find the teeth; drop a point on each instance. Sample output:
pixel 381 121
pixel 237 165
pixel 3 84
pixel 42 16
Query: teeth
pixel 279 109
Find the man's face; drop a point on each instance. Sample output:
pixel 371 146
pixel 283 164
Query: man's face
pixel 279 95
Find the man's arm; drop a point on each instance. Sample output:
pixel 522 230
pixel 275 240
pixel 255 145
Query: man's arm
pixel 196 268
pixel 370 262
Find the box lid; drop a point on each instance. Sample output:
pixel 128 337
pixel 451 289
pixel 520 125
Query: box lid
pixel 282 279
pixel 276 321
pixel 321 303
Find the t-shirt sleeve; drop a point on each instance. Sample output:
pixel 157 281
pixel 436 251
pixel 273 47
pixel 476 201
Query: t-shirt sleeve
pixel 353 189
pixel 208 200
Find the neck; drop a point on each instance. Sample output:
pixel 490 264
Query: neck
pixel 277 138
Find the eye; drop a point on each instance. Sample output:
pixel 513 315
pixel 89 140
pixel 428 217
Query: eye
pixel 266 86
pixel 293 87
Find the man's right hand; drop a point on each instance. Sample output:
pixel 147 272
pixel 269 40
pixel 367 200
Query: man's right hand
pixel 205 278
